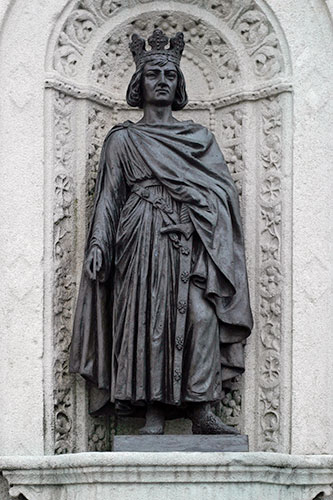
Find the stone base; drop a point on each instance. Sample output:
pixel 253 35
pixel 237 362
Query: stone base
pixel 190 443
pixel 180 476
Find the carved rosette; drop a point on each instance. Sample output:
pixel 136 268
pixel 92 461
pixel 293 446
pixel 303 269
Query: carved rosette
pixel 64 284
pixel 271 276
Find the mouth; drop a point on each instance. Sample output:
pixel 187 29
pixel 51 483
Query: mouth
pixel 163 91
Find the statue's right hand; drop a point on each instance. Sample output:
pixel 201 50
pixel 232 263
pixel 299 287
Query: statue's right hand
pixel 93 262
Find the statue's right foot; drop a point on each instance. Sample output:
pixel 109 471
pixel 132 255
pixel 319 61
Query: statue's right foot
pixel 154 421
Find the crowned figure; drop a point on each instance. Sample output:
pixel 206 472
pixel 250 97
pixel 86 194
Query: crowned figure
pixel 163 307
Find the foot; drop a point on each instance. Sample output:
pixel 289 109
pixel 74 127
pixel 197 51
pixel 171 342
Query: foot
pixel 204 421
pixel 154 421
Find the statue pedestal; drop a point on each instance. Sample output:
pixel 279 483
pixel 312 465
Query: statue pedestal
pixel 188 443
pixel 180 476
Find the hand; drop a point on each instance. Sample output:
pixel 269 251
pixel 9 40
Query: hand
pixel 93 262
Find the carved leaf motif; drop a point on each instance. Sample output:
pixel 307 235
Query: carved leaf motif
pixel 271 216
pixel 108 7
pixel 232 140
pixel 261 42
pixel 64 285
pixel 270 335
pixel 253 27
pixel 270 281
pixel 271 151
pixel 99 433
pixel 268 60
pixel 98 126
pixel 66 59
pixel 244 17
pixel 208 51
pixel 80 26
pixel 230 408
pixel 270 277
pixel 223 8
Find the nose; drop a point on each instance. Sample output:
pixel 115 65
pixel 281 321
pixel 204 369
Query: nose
pixel 162 78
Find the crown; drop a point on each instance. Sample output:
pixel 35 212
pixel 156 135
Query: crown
pixel 158 41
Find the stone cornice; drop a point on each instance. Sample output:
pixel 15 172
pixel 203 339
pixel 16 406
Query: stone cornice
pixel 258 467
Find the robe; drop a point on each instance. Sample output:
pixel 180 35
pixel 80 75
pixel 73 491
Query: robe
pixel 125 340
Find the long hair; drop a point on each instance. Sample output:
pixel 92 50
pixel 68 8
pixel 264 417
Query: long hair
pixel 134 94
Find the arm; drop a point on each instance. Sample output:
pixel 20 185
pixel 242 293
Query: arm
pixel 109 198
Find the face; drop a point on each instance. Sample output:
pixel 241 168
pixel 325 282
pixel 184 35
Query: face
pixel 159 83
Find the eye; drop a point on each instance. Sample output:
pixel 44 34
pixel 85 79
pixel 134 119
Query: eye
pixel 172 75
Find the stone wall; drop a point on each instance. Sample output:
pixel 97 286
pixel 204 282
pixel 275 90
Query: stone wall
pixel 258 76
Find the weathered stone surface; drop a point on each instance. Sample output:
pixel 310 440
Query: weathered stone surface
pixel 279 151
pixel 4 487
pixel 245 476
pixel 170 443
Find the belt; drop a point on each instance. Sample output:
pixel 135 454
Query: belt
pixel 142 189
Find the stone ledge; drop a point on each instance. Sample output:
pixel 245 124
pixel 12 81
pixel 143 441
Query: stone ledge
pixel 182 443
pixel 92 476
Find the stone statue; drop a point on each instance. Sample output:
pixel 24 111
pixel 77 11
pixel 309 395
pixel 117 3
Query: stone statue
pixel 163 306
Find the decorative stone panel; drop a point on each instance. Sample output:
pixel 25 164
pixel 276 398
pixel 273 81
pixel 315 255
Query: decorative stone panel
pixel 271 275
pixel 245 18
pixel 237 78
pixel 64 262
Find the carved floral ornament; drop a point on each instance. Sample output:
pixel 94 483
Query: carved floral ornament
pixel 220 65
pixel 205 46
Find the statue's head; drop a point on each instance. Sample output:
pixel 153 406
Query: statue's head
pixel 158 77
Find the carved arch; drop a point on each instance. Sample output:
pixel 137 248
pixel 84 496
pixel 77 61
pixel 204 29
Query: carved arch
pixel 241 57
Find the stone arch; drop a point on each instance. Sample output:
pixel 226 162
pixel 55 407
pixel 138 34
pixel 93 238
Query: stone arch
pixel 243 23
pixel 245 68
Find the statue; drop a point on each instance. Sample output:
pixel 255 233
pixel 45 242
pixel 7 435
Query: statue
pixel 163 306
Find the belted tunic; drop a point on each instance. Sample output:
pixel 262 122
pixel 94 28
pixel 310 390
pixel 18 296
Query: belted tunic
pixel 167 318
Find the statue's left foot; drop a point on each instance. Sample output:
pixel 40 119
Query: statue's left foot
pixel 154 421
pixel 204 421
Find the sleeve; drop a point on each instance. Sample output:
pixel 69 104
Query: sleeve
pixel 110 197
pixel 90 353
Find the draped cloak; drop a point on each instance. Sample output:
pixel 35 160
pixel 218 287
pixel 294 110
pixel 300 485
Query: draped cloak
pixel 189 170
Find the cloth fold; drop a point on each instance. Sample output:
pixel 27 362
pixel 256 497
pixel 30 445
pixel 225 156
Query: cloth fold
pixel 185 161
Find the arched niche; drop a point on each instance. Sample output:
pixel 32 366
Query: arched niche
pixel 237 68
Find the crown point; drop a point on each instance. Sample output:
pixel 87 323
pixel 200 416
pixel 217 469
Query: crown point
pixel 137 47
pixel 158 40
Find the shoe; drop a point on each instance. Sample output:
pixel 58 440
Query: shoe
pixel 204 421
